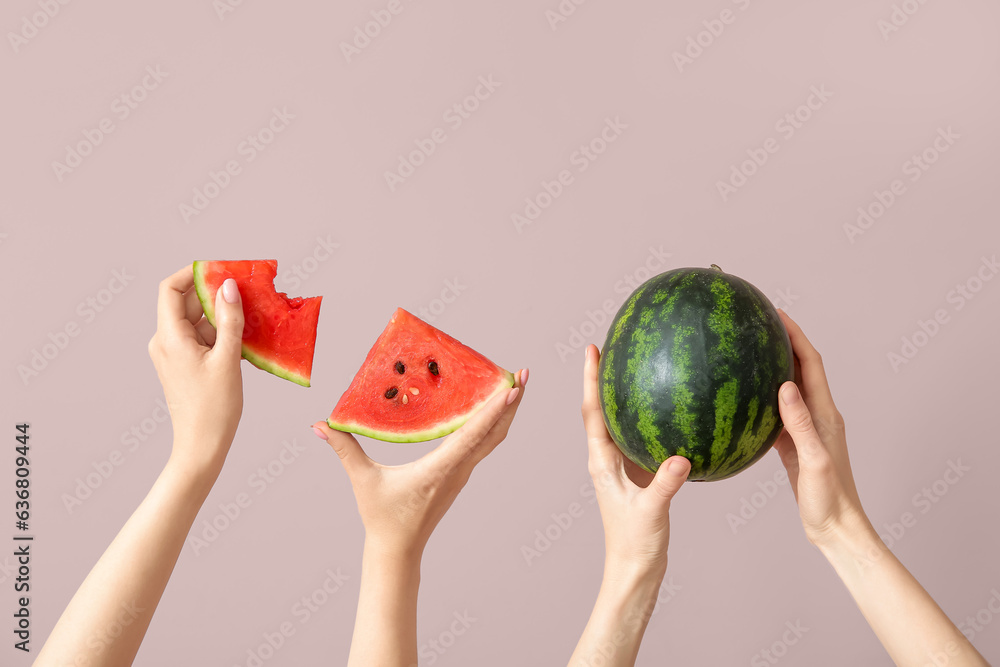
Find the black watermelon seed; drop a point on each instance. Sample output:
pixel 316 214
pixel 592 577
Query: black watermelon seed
pixel 391 392
pixel 400 368
pixel 433 367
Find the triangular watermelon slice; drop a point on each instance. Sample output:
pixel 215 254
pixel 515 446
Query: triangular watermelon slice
pixel 279 333
pixel 417 383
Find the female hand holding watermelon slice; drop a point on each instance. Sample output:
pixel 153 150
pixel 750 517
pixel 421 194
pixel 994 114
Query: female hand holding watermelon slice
pixel 199 369
pixel 400 506
pixel 813 448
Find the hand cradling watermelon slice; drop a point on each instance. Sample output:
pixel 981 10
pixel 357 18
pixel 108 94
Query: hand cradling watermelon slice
pixel 417 383
pixel 279 333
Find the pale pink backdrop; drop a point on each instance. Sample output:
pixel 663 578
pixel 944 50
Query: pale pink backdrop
pixel 518 242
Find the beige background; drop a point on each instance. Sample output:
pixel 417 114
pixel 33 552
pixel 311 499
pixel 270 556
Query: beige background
pixel 516 292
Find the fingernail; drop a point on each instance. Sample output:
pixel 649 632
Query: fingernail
pixel 512 395
pixel 230 292
pixel 319 433
pixel 524 377
pixel 676 468
pixel 790 394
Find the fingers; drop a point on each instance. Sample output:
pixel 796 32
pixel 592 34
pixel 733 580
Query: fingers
pixel 499 430
pixel 474 440
pixel 171 308
pixel 193 310
pixel 799 424
pixel 604 454
pixel 228 322
pixel 813 375
pixel 785 448
pixel 346 445
pixel 206 331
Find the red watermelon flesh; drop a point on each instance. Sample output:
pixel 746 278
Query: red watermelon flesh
pixel 417 383
pixel 279 333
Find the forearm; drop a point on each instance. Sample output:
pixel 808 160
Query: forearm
pixel 911 626
pixel 623 608
pixel 385 629
pixel 106 620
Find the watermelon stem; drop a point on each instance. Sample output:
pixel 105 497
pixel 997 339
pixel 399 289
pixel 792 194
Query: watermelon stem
pixel 717 268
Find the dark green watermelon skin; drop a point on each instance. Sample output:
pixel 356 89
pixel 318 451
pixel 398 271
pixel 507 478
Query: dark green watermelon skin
pixel 692 365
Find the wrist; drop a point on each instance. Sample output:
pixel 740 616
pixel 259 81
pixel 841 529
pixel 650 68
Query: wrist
pixel 392 570
pixel 198 477
pixel 625 603
pixel 855 541
pixel 632 570
pixel 384 555
pixel 635 582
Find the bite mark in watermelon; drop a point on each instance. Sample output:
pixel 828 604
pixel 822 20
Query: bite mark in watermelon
pixel 279 333
pixel 417 383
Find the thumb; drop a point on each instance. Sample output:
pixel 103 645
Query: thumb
pixel 228 321
pixel 669 477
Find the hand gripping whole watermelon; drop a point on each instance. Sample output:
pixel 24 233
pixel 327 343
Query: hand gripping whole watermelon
pixel 692 366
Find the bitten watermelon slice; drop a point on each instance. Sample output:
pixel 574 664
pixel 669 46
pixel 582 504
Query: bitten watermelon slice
pixel 279 333
pixel 417 383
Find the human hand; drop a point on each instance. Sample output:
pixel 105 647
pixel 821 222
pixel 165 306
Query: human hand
pixel 634 503
pixel 401 505
pixel 199 369
pixel 813 447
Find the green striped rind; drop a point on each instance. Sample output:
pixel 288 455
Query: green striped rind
pixel 248 353
pixel 692 366
pixel 437 431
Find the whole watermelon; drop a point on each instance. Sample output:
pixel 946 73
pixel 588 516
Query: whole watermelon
pixel 692 366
